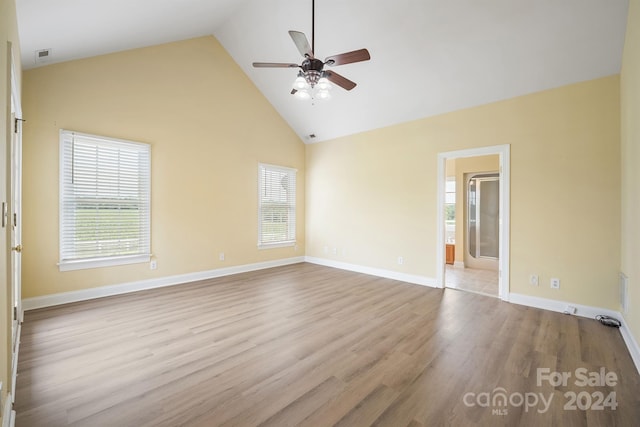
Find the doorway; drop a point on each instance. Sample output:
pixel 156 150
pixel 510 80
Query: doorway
pixel 481 238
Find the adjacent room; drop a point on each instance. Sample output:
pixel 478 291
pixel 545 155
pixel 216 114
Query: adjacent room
pixel 319 213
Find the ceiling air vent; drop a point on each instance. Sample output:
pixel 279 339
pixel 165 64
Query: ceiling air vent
pixel 43 55
pixel 313 135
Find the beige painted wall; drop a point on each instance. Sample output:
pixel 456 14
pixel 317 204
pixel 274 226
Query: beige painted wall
pixel 8 34
pixel 208 127
pixel 630 101
pixel 373 195
pixel 465 165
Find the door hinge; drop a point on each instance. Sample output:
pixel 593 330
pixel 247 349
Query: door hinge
pixel 15 124
pixel 15 313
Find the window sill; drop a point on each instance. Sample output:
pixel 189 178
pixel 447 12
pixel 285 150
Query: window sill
pixel 102 262
pixel 276 245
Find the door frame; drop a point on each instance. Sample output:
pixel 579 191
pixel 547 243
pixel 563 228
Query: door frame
pixel 14 221
pixel 504 153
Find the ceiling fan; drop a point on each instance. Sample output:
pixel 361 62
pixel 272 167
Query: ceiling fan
pixel 312 77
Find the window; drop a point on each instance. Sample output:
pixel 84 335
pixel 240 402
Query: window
pixel 104 201
pixel 450 209
pixel 276 206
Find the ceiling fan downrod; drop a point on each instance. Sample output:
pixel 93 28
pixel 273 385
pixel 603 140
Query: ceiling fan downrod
pixel 313 26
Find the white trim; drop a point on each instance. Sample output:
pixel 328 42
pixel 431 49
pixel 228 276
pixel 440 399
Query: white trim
pixel 8 415
pixel 379 272
pixel 442 229
pixel 559 306
pixel 583 311
pixel 123 288
pixel 632 344
pixel 14 367
pixel 458 264
pixel 103 139
pixel 286 169
pixel 276 245
pixel 83 264
pixel 504 151
pixel 14 87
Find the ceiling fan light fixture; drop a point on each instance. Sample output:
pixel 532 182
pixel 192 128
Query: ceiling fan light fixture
pixel 302 94
pixel 323 94
pixel 300 82
pixel 323 84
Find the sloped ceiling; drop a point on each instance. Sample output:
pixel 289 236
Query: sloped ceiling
pixel 427 56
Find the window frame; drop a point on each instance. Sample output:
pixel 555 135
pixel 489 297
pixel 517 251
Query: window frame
pixel 113 260
pixel 450 225
pixel 292 225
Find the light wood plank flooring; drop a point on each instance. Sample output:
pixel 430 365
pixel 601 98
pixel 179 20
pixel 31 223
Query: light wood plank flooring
pixel 313 346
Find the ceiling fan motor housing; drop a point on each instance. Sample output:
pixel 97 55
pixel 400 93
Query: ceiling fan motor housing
pixel 312 64
pixel 312 69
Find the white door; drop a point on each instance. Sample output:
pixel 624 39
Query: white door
pixel 15 223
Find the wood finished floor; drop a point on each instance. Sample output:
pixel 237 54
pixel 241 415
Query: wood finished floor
pixel 307 345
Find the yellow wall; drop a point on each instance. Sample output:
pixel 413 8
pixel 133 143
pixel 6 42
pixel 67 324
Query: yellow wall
pixel 373 195
pixel 8 35
pixel 630 101
pixel 465 165
pixel 208 127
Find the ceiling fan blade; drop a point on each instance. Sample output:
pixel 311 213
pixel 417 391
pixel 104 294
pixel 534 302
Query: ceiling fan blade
pixel 341 81
pixel 348 57
pixel 301 43
pixel 274 65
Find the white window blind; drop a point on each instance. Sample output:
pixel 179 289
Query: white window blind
pixel 104 201
pixel 276 205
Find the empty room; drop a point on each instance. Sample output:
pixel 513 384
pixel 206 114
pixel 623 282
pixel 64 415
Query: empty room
pixel 320 213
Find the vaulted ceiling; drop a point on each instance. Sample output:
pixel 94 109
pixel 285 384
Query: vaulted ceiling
pixel 427 56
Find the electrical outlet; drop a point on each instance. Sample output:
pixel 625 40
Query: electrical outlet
pixel 334 251
pixel 153 264
pixel 295 248
pixel 534 280
pixel 400 260
pixel 326 249
pixel 221 256
pixel 555 283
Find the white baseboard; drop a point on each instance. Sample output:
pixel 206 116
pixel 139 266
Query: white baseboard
pixel 583 311
pixel 8 414
pixel 631 342
pixel 458 264
pixel 559 306
pixel 388 274
pixel 123 288
pixel 14 364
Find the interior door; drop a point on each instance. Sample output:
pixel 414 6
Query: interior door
pixel 15 222
pixel 483 221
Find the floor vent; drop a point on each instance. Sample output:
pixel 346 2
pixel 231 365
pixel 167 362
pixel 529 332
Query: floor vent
pixel 624 289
